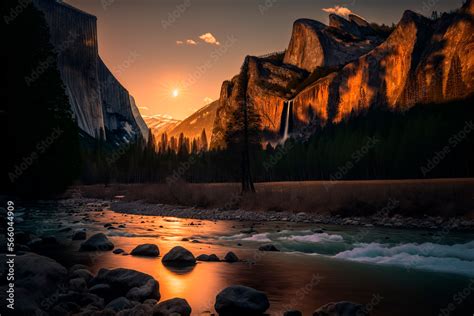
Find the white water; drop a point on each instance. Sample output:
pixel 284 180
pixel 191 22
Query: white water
pixel 456 257
pixel 287 122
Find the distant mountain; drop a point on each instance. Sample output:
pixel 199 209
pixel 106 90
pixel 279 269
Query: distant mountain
pixel 329 73
pixel 160 124
pixel 191 127
pixel 101 106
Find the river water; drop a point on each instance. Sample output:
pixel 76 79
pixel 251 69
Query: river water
pixel 393 271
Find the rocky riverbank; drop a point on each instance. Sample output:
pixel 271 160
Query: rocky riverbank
pixel 87 228
pixel 383 218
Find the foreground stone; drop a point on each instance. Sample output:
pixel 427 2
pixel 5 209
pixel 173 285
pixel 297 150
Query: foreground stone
pixel 146 250
pixel 179 256
pixel 341 309
pixel 79 235
pixel 119 304
pixel 208 258
pixel 231 257
pixel 37 278
pixel 98 242
pixel 292 313
pixel 241 300
pixel 134 285
pixel 268 248
pixel 175 306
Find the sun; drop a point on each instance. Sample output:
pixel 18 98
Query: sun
pixel 175 93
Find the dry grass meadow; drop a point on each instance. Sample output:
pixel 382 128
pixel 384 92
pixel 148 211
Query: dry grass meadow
pixel 444 197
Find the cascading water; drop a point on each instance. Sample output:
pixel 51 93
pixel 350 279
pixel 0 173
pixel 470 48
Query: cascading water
pixel 287 122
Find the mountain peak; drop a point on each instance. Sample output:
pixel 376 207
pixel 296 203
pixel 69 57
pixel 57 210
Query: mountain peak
pixel 358 20
pixel 468 7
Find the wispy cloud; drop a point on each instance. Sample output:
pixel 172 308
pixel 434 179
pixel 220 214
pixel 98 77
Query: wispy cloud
pixel 145 108
pixel 187 42
pixel 209 38
pixel 207 100
pixel 342 11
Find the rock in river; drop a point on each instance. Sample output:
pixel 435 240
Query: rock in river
pixel 341 309
pixel 231 257
pixel 268 248
pixel 146 250
pixel 209 258
pixel 132 284
pixel 241 300
pixel 179 256
pixel 98 242
pixel 175 306
pixel 79 235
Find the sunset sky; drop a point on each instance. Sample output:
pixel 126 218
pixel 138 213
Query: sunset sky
pixel 172 55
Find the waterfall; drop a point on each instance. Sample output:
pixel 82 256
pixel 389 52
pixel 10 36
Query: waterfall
pixel 287 121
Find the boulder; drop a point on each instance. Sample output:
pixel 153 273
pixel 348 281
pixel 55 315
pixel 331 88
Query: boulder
pixel 268 248
pixel 208 258
pixel 119 304
pixel 118 251
pixel 77 267
pixel 231 257
pixel 341 309
pixel 128 283
pixel 82 273
pixel 102 290
pixel 144 292
pixel 98 242
pixel 79 235
pixel 146 250
pixel 292 313
pixel 175 306
pixel 241 300
pixel 139 310
pixel 38 274
pixel 179 256
pixel 78 284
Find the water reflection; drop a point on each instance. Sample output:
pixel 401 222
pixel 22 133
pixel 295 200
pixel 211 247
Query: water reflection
pixel 291 280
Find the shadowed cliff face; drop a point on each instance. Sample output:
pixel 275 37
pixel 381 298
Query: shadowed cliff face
pixel 99 102
pixel 314 44
pixel 422 61
pixel 270 83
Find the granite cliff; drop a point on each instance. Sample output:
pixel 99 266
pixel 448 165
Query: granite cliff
pixel 331 72
pixel 101 105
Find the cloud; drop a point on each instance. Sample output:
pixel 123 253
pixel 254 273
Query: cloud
pixel 208 100
pixel 209 38
pixel 342 11
pixel 187 42
pixel 145 108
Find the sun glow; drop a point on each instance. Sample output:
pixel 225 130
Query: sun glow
pixel 175 93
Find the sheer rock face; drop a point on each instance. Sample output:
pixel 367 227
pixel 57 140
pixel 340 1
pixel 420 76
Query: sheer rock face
pixel 99 102
pixel 270 83
pixel 314 44
pixel 421 62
